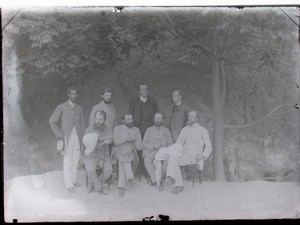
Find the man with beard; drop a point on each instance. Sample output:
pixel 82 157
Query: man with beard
pixel 156 137
pixel 99 156
pixel 127 141
pixel 70 116
pixel 179 112
pixel 142 109
pixel 193 146
pixel 107 107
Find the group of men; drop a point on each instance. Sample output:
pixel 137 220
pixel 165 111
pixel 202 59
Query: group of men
pixel 141 145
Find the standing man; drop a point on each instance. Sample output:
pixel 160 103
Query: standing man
pixel 127 141
pixel 142 110
pixel 179 114
pixel 156 137
pixel 98 154
pixel 193 146
pixel 107 107
pixel 70 115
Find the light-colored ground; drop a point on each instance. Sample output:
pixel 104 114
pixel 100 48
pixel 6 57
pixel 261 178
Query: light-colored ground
pixel 29 199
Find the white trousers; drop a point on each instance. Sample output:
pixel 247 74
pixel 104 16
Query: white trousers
pixel 71 160
pixel 125 172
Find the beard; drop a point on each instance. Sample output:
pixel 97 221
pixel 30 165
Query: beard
pixel 190 122
pixel 107 101
pixel 129 125
pixel 158 124
pixel 98 125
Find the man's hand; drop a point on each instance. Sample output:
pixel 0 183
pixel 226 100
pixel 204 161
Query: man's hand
pixel 199 157
pixel 130 138
pixel 106 142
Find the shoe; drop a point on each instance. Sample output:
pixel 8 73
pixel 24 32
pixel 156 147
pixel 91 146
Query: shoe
pixel 131 180
pixel 177 189
pixel 170 180
pixel 121 192
pixel 71 189
pixel 153 183
pixel 90 189
pixel 160 187
pixel 77 185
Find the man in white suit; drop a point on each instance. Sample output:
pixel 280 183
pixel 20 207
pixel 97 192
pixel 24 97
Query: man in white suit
pixel 193 146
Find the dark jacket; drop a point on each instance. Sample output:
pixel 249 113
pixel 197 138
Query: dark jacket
pixel 135 109
pixel 177 120
pixel 68 117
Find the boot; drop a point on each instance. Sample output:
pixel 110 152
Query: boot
pixel 121 192
pixel 177 189
pixel 93 180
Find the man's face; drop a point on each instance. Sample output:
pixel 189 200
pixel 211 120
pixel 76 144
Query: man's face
pixel 107 97
pixel 72 95
pixel 176 96
pixel 143 90
pixel 128 121
pixel 99 120
pixel 158 119
pixel 192 118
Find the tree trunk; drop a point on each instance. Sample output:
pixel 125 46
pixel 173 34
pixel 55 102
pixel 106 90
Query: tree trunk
pixel 218 137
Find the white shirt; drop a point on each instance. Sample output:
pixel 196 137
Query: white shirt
pixel 71 103
pixel 143 99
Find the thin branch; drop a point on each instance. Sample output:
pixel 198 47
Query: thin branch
pixel 223 83
pixel 205 51
pixel 11 20
pixel 230 126
pixel 280 121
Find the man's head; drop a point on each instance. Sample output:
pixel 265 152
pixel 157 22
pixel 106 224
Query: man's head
pixel 143 90
pixel 158 119
pixel 99 118
pixel 193 117
pixel 127 120
pixel 72 93
pixel 177 96
pixel 107 95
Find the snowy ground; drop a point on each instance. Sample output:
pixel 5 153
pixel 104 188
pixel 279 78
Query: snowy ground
pixel 29 200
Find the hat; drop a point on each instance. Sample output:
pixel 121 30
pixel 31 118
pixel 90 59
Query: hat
pixel 60 145
pixel 90 141
pixel 125 154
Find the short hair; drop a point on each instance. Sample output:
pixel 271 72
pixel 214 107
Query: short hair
pixel 143 84
pixel 106 89
pixel 100 112
pixel 179 91
pixel 73 89
pixel 197 113
pixel 126 114
pixel 160 114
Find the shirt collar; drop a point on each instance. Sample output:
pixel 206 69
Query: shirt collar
pixel 72 104
pixel 194 125
pixel 143 99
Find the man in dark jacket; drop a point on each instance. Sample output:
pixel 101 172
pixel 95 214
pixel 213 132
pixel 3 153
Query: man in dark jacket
pixel 142 109
pixel 70 115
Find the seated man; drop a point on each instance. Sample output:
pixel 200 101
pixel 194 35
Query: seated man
pixel 96 152
pixel 127 141
pixel 156 137
pixel 193 146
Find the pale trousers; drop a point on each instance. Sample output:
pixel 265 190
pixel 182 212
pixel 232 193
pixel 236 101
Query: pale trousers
pixel 91 165
pixel 174 163
pixel 149 164
pixel 125 172
pixel 71 160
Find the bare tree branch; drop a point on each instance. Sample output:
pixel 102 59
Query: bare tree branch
pixel 205 51
pixel 280 121
pixel 223 83
pixel 230 126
